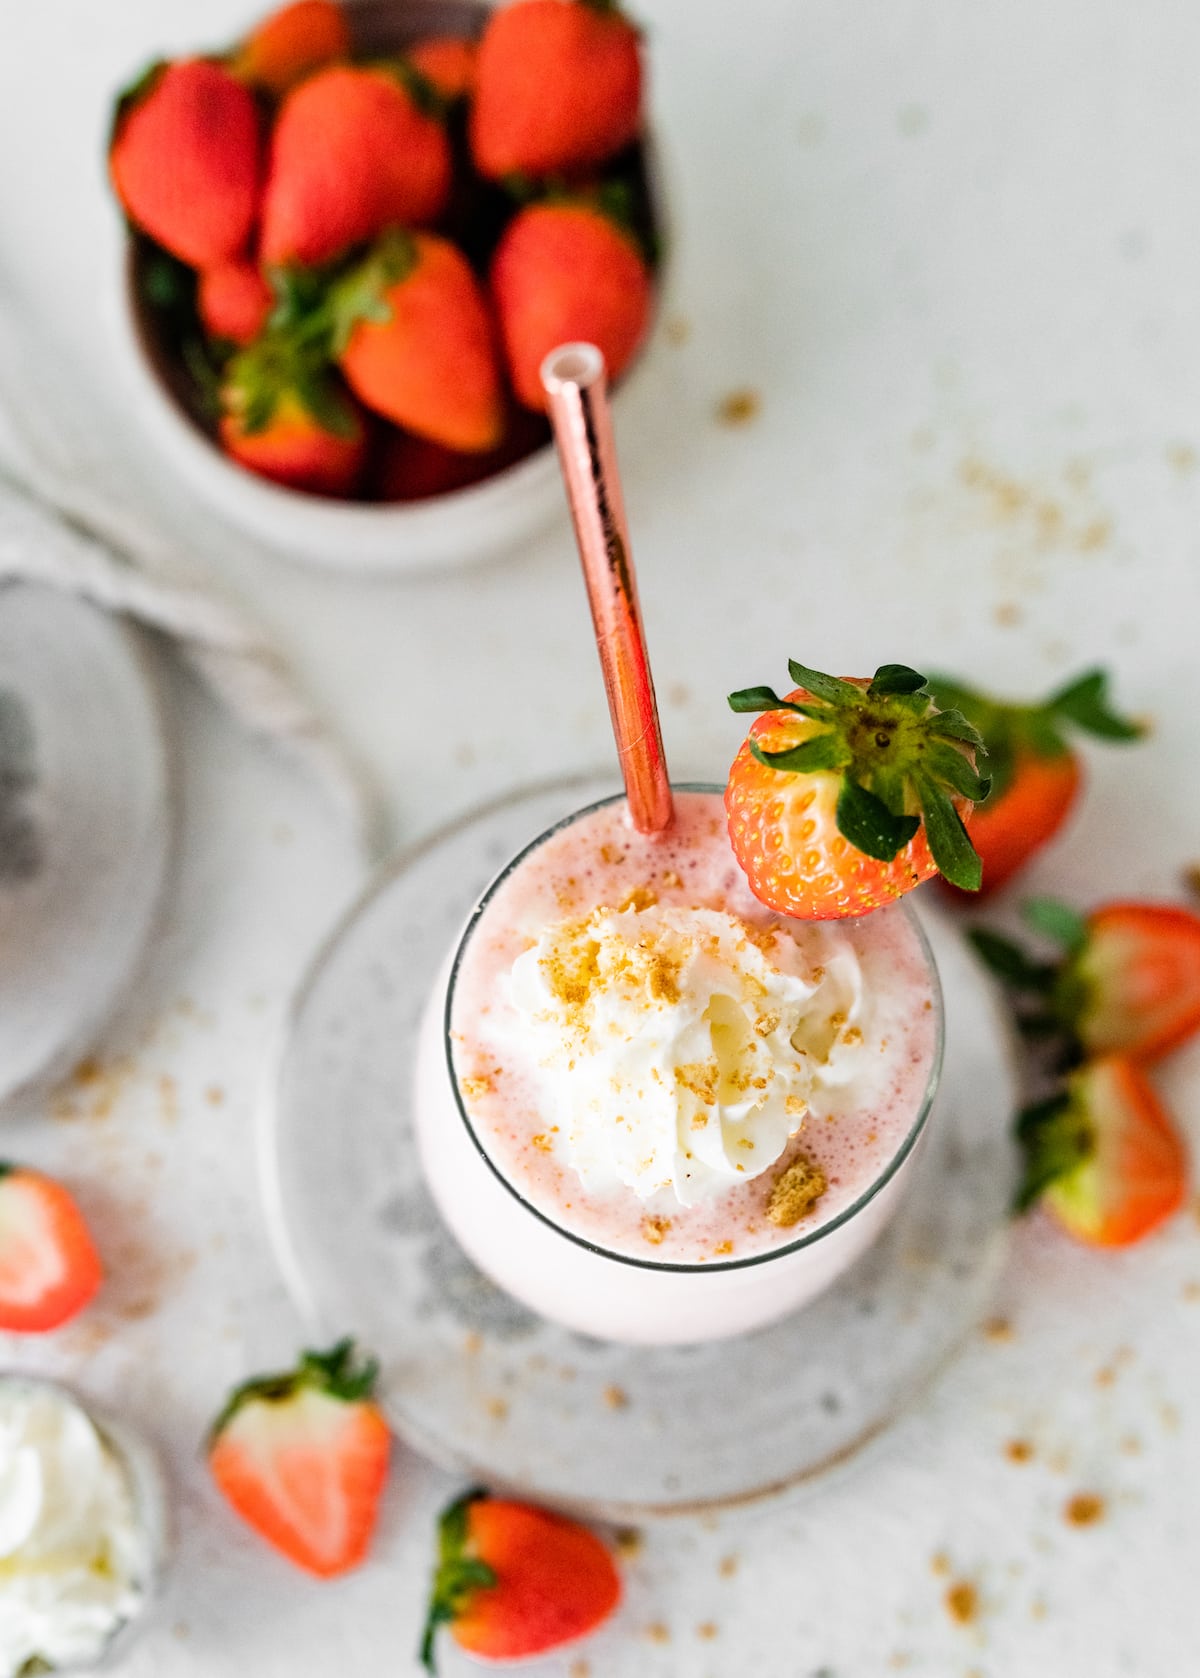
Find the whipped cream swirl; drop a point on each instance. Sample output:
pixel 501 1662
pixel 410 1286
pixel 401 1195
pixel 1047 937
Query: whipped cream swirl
pixel 682 1049
pixel 74 1558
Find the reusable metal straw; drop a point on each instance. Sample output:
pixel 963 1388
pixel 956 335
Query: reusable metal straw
pixel 574 380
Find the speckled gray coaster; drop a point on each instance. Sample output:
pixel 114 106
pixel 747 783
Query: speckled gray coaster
pixel 480 1384
pixel 84 824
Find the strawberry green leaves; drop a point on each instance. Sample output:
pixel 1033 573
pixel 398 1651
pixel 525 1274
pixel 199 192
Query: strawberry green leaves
pixel 1011 731
pixel 459 1574
pixel 901 763
pixel 338 1373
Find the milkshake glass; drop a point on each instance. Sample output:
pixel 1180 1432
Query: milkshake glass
pixel 624 1265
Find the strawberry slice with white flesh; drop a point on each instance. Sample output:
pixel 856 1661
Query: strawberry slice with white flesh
pixel 1103 1155
pixel 302 1457
pixel 49 1267
pixel 1127 982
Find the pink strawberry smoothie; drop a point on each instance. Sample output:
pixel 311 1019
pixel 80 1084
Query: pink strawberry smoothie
pixel 869 1030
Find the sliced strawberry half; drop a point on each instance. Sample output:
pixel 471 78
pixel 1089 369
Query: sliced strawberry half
pixel 302 1457
pixel 1103 1155
pixel 514 1581
pixel 49 1267
pixel 1128 981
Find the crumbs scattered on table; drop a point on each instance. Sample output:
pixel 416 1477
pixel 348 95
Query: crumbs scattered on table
pixel 628 1542
pixel 707 1631
pixel 677 331
pixel 1181 457
pixel 1169 1416
pixel 940 1564
pixel 1084 1509
pixel 472 1343
pixel 497 1409
pixel 1007 500
pixel 579 1669
pixel 214 1095
pixel 1191 1291
pixel 656 1632
pixel 997 1329
pixel 962 1602
pixel 1019 1450
pixel 739 407
pixel 680 694
pixel 1008 615
pixel 616 1398
pixel 728 1566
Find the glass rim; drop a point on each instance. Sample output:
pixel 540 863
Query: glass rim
pixel 767 1254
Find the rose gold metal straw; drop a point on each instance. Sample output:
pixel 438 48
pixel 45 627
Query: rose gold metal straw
pixel 574 381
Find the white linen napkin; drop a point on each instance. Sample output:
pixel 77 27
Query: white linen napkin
pixel 62 524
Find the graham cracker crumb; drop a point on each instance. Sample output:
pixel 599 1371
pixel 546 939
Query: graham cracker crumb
pixel 657 1632
pixel 579 1669
pixel 497 1409
pixel 997 1329
pixel 654 1230
pixel 672 879
pixel 796 1191
pixel 475 1088
pixel 700 1077
pixel 677 330
pixel 940 1564
pixel 796 1107
pixel 616 1398
pixel 739 407
pixel 727 1566
pixel 543 1143
pixel 214 1095
pixel 1191 878
pixel 765 1024
pixel 723 1247
pixel 1084 1509
pixel 1019 1450
pixel 707 1631
pixel 472 1344
pixel 962 1603
pixel 628 1542
pixel 638 898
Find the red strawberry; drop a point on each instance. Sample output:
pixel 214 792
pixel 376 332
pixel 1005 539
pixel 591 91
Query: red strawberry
pixel 49 1268
pixel 352 153
pixel 185 160
pixel 283 419
pixel 447 63
pixel 558 88
pixel 303 1456
pixel 1035 773
pixel 513 1581
pixel 1129 983
pixel 292 43
pixel 234 301
pixel 1103 1155
pixel 847 794
pixel 412 468
pixel 565 273
pixel 416 342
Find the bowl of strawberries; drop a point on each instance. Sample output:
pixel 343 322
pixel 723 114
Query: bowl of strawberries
pixel 354 236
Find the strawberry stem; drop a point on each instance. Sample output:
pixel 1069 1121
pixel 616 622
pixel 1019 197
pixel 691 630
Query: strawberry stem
pixel 1055 1136
pixel 336 1373
pixel 458 1576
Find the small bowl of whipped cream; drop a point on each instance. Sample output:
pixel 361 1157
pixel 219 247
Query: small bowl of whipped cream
pixel 82 1530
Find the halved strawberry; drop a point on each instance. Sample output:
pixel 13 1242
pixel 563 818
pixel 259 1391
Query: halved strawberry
pixel 848 793
pixel 302 1457
pixel 513 1581
pixel 1036 775
pixel 1103 1155
pixel 49 1267
pixel 1128 983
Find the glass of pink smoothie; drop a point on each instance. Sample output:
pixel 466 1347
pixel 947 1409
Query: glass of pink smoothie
pixel 652 1109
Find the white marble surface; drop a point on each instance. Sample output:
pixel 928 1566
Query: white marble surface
pixel 954 250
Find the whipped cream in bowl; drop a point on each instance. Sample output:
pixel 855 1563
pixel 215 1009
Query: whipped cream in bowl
pixel 82 1529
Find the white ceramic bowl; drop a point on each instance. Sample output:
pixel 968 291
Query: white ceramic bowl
pixel 482 521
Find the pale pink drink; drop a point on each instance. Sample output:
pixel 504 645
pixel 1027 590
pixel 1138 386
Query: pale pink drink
pixel 654 1110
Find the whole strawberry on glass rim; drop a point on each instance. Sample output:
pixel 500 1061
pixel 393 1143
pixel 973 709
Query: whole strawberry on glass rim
pixel 848 792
